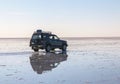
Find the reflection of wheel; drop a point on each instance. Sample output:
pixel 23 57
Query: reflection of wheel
pixel 64 47
pixel 36 50
pixel 48 48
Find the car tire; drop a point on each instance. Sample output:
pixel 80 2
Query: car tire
pixel 48 48
pixel 36 50
pixel 64 47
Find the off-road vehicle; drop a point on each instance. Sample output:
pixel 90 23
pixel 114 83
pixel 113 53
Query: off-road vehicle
pixel 47 41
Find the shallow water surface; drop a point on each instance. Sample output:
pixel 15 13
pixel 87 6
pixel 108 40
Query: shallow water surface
pixel 87 61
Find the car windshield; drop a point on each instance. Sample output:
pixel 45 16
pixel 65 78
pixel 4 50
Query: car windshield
pixel 36 36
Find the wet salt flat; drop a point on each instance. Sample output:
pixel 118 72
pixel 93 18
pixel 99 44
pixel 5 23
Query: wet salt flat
pixel 87 61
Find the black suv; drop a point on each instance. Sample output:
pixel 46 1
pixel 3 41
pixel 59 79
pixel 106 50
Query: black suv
pixel 47 41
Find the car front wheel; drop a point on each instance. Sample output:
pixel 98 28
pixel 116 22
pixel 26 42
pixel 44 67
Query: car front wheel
pixel 48 48
pixel 64 47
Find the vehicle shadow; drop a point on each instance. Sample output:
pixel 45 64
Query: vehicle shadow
pixel 42 62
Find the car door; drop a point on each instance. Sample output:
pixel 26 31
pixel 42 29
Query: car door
pixel 52 41
pixel 57 41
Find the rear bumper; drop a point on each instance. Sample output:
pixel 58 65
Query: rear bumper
pixel 37 46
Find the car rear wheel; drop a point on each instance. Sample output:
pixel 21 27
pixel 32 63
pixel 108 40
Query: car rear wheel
pixel 36 50
pixel 48 48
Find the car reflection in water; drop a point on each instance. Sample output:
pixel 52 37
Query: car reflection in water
pixel 42 62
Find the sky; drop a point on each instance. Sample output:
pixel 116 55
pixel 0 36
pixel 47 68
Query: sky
pixel 66 18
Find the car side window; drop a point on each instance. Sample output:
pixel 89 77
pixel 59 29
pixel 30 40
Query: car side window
pixel 56 38
pixel 44 36
pixel 51 37
pixel 39 36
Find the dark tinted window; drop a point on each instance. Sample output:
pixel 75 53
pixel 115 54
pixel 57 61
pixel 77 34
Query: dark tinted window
pixel 51 37
pixel 35 36
pixel 44 36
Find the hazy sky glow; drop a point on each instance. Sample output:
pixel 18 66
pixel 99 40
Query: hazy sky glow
pixel 66 18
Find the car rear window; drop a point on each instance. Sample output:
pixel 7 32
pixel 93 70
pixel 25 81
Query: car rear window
pixel 35 36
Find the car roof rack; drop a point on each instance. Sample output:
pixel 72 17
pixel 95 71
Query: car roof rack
pixel 40 31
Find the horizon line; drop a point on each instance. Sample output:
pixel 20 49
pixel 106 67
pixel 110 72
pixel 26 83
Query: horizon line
pixel 60 37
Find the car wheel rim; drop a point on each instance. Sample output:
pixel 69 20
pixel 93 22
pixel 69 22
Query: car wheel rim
pixel 64 47
pixel 48 48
